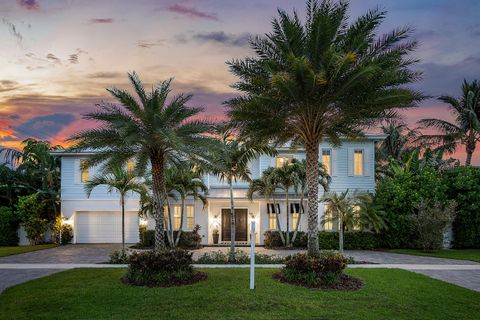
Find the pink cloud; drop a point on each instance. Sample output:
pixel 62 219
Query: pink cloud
pixel 29 4
pixel 191 12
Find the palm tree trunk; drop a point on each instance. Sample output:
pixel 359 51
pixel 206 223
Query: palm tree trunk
pixel 122 199
pixel 158 190
pixel 340 235
pixel 277 215
pixel 169 227
pixel 287 240
pixel 179 232
pixel 312 184
pixel 231 257
pixel 470 148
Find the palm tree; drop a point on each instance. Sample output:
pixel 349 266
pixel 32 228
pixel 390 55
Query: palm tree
pixel 324 78
pixel 339 209
pixel 185 182
pixel 148 129
pixel 229 162
pixel 266 186
pixel 369 214
pixel 466 127
pixel 120 180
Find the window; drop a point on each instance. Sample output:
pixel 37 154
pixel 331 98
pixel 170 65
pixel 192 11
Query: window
pixel 272 216
pixel 130 166
pixel 295 210
pixel 84 170
pixel 177 217
pixel 283 160
pixel 190 217
pixel 328 225
pixel 358 162
pixel 327 160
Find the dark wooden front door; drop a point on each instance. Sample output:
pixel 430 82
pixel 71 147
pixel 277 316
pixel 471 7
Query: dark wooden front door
pixel 240 225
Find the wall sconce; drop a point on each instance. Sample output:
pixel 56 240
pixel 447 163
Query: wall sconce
pixel 253 216
pixel 68 221
pixel 143 222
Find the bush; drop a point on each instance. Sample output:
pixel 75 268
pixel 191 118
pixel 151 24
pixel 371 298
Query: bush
pixel 354 240
pixel 326 270
pixel 463 186
pixel 164 268
pixel 241 257
pixel 66 234
pixel 30 210
pixel 119 257
pixel 8 227
pixel 188 239
pixel 399 196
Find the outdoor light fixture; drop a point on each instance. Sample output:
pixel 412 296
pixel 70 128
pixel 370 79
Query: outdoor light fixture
pixel 143 222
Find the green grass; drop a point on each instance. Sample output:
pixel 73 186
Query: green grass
pixel 8 251
pixel 99 294
pixel 459 254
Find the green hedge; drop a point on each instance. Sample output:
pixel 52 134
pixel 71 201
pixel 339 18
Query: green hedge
pixel 463 185
pixel 188 239
pixel 8 227
pixel 356 240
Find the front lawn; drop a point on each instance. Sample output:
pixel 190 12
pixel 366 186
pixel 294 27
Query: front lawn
pixel 8 251
pixel 459 254
pixel 99 294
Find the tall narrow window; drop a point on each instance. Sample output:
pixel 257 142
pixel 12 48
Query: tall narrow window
pixel 272 216
pixel 295 210
pixel 190 217
pixel 327 160
pixel 356 216
pixel 84 170
pixel 328 225
pixel 283 160
pixel 130 166
pixel 177 217
pixel 358 162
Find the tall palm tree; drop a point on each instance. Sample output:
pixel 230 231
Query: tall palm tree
pixel 324 78
pixel 149 129
pixel 466 126
pixel 229 162
pixel 186 182
pixel 339 209
pixel 265 186
pixel 120 180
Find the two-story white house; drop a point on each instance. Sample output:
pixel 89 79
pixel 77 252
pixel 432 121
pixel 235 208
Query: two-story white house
pixel 98 220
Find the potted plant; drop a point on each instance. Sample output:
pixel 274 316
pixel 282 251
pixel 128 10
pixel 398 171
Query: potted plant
pixel 215 235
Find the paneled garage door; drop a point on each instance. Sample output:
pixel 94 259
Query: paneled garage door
pixel 105 227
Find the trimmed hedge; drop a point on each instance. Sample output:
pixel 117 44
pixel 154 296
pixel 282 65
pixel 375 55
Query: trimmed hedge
pixel 355 240
pixel 188 239
pixel 463 186
pixel 8 227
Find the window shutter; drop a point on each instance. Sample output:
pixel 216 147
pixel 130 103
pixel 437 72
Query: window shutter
pixel 76 171
pixel 334 161
pixel 350 161
pixel 366 163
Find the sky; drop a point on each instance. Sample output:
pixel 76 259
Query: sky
pixel 57 57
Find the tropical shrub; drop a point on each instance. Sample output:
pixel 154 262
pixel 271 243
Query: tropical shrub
pixel 119 257
pixel 30 211
pixel 8 227
pixel 56 228
pixel 431 221
pixel 162 268
pixel 463 186
pixel 325 271
pixel 241 257
pixel 188 239
pixel 399 196
pixel 66 234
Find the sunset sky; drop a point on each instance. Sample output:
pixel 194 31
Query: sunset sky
pixel 57 57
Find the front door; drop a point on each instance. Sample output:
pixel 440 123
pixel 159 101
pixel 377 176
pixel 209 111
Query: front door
pixel 240 225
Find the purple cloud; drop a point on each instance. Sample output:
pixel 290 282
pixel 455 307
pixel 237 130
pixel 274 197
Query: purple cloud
pixel 29 4
pixel 102 20
pixel 191 12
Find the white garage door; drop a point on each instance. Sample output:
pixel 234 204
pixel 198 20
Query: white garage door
pixel 105 227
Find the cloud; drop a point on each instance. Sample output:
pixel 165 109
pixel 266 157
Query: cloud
pixel 29 4
pixel 53 58
pixel 102 20
pixel 149 44
pixel 44 127
pixel 13 30
pixel 104 75
pixel 237 40
pixel 8 85
pixel 191 12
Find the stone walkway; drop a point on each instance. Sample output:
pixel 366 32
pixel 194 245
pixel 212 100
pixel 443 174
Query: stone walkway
pixel 27 266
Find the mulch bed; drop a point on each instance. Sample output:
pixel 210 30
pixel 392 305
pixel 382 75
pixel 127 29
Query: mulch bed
pixel 344 283
pixel 196 277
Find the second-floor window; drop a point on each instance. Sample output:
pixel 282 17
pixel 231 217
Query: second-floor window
pixel 84 170
pixel 283 160
pixel 358 162
pixel 327 160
